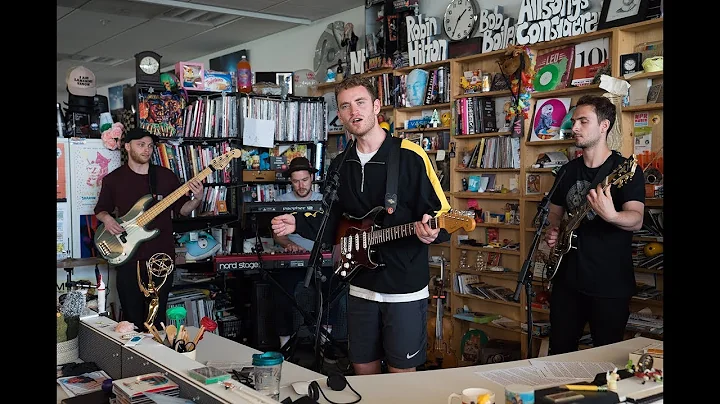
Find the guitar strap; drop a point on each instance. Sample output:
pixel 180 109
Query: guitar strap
pixel 153 181
pixel 605 169
pixel 391 185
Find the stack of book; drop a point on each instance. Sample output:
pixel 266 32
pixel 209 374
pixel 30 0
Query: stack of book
pixel 131 390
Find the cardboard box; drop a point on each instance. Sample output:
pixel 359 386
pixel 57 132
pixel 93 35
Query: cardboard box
pixel 258 175
pixel 191 75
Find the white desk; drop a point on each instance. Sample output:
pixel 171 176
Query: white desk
pixel 434 386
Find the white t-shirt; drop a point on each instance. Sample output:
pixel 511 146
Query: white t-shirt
pixel 365 157
pixel 296 238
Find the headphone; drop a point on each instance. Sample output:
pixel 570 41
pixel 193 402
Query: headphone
pixel 335 381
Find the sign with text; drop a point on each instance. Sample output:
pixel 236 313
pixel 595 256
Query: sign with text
pixel 497 30
pixel 546 20
pixel 422 45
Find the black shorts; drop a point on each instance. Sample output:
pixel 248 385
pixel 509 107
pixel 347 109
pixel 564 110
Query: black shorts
pixel 396 332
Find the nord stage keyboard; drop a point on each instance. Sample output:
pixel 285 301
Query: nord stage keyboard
pixel 283 207
pixel 245 262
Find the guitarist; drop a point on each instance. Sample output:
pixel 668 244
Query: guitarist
pixel 594 282
pixel 387 308
pixel 120 190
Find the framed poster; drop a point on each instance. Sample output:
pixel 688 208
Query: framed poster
pixel 622 12
pixel 548 118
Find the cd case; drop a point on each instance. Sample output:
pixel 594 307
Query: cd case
pixel 208 374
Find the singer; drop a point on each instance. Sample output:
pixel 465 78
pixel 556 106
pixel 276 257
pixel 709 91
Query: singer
pixel 595 281
pixel 387 308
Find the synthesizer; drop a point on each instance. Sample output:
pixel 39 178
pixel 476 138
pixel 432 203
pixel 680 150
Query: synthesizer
pixel 246 262
pixel 283 207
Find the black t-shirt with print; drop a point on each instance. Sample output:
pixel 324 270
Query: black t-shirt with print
pixel 602 263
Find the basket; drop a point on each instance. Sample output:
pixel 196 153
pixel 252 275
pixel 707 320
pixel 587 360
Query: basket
pixel 67 351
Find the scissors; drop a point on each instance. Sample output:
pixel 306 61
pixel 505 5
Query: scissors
pixel 182 346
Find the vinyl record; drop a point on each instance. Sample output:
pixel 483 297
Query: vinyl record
pixel 547 78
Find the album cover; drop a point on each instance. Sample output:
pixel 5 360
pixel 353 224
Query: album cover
pixel 553 70
pixel 548 118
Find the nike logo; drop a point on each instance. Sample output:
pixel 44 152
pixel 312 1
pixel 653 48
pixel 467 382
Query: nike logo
pixel 411 356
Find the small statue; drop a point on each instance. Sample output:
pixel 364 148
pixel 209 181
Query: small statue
pixel 463 260
pixel 480 261
pixel 159 266
pixel 340 71
pixel 330 78
pixel 435 119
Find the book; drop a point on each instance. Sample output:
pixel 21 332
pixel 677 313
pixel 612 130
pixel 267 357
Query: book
pixel 654 350
pixel 82 384
pixel 133 389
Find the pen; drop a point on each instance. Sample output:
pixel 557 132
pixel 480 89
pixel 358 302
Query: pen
pixel 584 387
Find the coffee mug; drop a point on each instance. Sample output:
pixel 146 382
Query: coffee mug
pixel 474 395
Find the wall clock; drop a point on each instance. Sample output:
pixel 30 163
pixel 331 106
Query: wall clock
pixel 460 19
pixel 147 68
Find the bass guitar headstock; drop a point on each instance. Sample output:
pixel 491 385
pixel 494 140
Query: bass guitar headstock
pixel 623 173
pixel 455 220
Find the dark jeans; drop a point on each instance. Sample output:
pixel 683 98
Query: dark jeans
pixel 570 310
pixel 133 302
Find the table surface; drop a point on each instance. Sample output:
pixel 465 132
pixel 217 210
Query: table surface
pixel 425 387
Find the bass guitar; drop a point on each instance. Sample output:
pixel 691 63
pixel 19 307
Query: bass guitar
pixel 440 355
pixel 118 249
pixel 360 235
pixel 620 176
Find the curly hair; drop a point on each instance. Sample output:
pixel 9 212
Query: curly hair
pixel 604 108
pixel 355 81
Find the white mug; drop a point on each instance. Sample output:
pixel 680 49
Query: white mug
pixel 471 395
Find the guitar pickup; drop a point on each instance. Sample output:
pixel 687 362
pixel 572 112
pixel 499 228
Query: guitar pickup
pixel 123 237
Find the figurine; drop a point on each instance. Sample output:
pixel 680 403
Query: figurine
pixel 434 119
pixel 612 379
pixel 330 78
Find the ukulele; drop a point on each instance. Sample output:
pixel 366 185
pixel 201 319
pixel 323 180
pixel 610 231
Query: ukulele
pixel 440 355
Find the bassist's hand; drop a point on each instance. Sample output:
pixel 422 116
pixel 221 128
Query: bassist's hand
pixel 283 225
pixel 551 236
pixel 113 226
pixel 426 234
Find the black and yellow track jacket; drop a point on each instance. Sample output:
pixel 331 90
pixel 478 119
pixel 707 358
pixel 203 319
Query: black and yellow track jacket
pixel 363 188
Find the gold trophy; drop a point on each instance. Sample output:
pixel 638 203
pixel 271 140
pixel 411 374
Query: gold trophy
pixel 160 265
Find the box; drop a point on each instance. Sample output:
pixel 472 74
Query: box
pixel 654 350
pixel 258 176
pixel 191 75
pixel 217 81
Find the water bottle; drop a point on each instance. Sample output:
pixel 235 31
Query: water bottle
pixel 266 373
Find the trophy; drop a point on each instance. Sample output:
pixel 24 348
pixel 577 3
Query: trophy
pixel 160 265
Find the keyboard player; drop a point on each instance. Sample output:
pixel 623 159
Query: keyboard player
pixel 301 175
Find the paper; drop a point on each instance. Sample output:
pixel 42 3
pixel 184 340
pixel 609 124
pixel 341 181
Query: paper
pixel 613 85
pixel 547 374
pixel 259 132
pixel 578 370
pixel 440 156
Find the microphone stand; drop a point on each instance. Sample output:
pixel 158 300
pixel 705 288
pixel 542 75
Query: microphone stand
pixel 526 275
pixel 332 183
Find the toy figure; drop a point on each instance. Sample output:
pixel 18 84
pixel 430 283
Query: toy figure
pixel 612 379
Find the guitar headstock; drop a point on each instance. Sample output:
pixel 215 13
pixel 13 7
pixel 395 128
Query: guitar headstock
pixel 623 173
pixel 220 162
pixel 454 220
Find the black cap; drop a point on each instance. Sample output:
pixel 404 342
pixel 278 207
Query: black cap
pixel 299 164
pixel 138 133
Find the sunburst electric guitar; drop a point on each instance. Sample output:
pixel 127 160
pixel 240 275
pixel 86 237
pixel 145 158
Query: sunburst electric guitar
pixel 117 249
pixel 620 176
pixel 360 235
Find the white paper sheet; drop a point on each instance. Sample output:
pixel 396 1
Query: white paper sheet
pixel 578 370
pixel 547 374
pixel 259 132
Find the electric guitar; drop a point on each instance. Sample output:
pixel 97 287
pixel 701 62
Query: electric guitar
pixel 117 249
pixel 355 250
pixel 620 176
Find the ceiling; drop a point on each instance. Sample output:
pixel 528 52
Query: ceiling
pixel 105 35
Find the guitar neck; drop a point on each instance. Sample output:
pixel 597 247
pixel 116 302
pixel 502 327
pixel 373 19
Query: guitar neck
pixel 583 211
pixel 159 207
pixel 397 232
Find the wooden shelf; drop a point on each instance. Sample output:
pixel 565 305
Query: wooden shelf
pixel 567 91
pixel 490 250
pixel 499 93
pixel 550 142
pixel 654 202
pixel 480 135
pixel 499 225
pixel 488 300
pixel 644 107
pixel 407 69
pixel 445 105
pixel 539 170
pixel 488 170
pixel 646 75
pixel 80 262
pixel 421 130
pixel 486 195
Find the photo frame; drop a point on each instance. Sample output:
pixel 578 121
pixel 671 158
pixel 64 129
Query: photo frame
pixel 285 77
pixel 616 13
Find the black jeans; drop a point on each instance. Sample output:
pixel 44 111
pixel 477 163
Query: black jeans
pixel 570 310
pixel 133 302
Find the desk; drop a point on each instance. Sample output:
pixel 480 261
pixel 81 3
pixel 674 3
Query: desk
pixel 434 386
pixel 426 387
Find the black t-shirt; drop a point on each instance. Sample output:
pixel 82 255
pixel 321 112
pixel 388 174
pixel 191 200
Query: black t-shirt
pixel 602 263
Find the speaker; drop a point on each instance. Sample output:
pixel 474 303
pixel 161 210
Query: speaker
pixel 265 336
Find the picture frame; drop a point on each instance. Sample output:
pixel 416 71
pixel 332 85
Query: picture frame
pixel 548 119
pixel 285 77
pixel 616 13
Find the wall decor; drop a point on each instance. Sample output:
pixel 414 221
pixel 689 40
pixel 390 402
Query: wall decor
pixel 622 12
